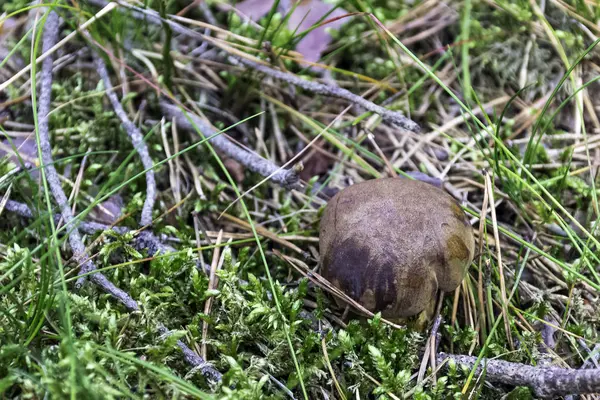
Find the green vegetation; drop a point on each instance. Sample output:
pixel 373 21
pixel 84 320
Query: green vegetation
pixel 529 297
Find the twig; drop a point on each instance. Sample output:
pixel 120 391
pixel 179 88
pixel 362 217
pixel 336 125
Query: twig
pixel 194 359
pixel 137 139
pixel 592 361
pixel 21 209
pixel 546 382
pixel 393 117
pixel 285 177
pixel 207 13
pixel 50 35
pixel 210 18
pixel 108 287
pixel 145 240
pixel 281 386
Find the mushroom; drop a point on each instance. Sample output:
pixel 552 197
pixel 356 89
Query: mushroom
pixel 391 244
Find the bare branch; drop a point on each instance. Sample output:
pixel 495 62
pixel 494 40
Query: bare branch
pixel 50 36
pixel 285 177
pixel 108 287
pixel 145 240
pixel 137 139
pixel 389 116
pixel 546 382
pixel 194 359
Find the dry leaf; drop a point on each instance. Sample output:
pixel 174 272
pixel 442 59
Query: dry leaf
pixel 254 9
pixel 109 211
pixel 306 14
pixel 26 150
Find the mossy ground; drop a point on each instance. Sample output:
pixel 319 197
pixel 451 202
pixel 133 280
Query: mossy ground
pixel 536 137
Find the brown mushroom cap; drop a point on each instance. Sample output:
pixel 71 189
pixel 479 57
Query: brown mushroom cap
pixel 390 244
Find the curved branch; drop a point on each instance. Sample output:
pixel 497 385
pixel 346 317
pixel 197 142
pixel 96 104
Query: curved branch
pixel 548 382
pixel 285 177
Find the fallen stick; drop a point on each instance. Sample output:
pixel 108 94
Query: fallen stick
pixel 285 177
pixel 389 116
pixel 144 240
pixel 547 382
pixel 137 139
pixel 50 36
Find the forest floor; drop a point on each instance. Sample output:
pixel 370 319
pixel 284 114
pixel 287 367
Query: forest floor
pixel 169 246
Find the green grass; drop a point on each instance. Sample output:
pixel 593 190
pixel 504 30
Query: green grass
pixel 268 325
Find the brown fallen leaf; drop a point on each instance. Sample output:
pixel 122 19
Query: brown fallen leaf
pixel 306 14
pixel 254 9
pixel 109 211
pixel 235 169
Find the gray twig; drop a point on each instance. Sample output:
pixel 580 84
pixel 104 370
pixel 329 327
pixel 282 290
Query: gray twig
pixel 50 36
pixel 137 139
pixel 208 15
pixel 210 18
pixel 21 209
pixel 285 177
pixel 145 240
pixel 194 359
pixel 547 382
pixel 389 116
pixel 100 280
pixel 592 361
pixel 319 88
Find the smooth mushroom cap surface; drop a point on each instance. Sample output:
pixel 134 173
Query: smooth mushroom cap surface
pixel 391 244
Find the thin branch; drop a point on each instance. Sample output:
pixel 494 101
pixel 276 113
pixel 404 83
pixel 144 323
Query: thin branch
pixel 21 209
pixel 108 287
pixel 389 116
pixel 207 13
pixel 144 240
pixel 546 382
pixel 592 361
pixel 194 359
pixel 137 139
pixel 50 36
pixel 285 177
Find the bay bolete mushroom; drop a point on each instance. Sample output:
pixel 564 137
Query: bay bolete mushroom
pixel 391 244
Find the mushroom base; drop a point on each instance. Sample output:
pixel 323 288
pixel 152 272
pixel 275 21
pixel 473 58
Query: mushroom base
pixel 418 322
